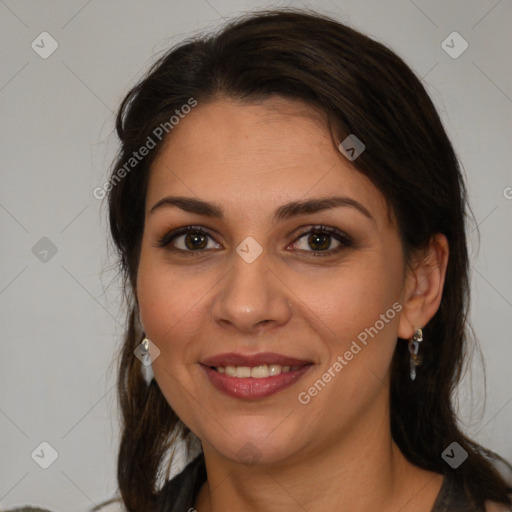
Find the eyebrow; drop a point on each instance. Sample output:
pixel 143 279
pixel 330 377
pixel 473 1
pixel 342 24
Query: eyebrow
pixel 286 211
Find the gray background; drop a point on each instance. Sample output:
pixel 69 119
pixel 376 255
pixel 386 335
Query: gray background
pixel 62 317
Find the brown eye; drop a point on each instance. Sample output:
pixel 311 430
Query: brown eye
pixel 195 241
pixel 188 239
pixel 320 239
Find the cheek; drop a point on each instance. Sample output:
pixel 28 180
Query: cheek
pixel 169 305
pixel 352 299
pixel 360 309
pixel 172 306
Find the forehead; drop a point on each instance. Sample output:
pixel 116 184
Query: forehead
pixel 256 156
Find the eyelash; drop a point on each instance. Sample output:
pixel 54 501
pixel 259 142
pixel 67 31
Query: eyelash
pixel 341 237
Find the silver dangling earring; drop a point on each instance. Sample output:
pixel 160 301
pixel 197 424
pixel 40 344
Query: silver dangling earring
pixel 145 359
pixel 415 359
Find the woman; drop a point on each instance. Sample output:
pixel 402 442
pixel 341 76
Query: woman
pixel 289 215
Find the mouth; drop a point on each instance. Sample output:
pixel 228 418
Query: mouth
pixel 255 372
pixel 253 377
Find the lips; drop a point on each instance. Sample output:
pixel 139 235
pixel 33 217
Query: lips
pixel 247 376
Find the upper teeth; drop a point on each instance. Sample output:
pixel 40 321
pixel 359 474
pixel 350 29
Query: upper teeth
pixel 257 372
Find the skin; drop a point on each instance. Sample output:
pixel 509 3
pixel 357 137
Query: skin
pixel 336 452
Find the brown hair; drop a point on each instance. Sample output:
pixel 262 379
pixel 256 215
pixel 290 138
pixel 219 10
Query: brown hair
pixel 365 89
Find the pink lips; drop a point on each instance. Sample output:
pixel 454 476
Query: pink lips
pixel 252 388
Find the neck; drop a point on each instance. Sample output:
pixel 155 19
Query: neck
pixel 360 470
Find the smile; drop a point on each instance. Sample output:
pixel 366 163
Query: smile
pixel 256 372
pixel 253 377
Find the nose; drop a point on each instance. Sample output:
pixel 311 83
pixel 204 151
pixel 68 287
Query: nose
pixel 252 298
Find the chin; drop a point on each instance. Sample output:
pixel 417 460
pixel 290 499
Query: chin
pixel 251 446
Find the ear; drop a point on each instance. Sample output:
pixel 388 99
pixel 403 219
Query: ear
pixel 424 286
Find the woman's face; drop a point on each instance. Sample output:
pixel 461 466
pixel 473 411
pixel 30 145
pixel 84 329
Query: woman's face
pixel 325 322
